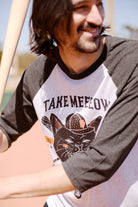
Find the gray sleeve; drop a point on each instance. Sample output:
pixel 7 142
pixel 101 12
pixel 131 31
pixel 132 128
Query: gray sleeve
pixel 19 114
pixel 116 137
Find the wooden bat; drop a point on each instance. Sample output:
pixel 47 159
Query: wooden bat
pixel 16 20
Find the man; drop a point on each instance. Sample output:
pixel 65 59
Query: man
pixel 85 97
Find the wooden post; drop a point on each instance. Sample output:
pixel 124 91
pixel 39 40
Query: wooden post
pixel 110 16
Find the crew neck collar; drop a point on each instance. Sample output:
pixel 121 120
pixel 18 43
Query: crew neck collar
pixel 89 70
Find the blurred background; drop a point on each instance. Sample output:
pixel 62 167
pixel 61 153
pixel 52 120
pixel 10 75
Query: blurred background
pixel 30 153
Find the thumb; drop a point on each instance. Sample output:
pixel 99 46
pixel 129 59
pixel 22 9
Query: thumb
pixel 1 138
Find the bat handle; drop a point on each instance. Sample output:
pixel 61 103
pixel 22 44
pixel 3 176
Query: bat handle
pixel 16 20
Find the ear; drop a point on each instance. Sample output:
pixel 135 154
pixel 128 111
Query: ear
pixel 95 123
pixel 55 122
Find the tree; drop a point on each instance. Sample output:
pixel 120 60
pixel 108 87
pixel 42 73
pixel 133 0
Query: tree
pixel 133 31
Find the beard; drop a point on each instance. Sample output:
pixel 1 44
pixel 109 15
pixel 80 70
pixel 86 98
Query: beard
pixel 88 44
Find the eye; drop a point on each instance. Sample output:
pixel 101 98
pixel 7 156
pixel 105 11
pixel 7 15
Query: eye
pixel 69 141
pixel 99 4
pixel 81 7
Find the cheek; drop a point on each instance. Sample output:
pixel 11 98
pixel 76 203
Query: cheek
pixel 102 13
pixel 77 17
pixel 76 21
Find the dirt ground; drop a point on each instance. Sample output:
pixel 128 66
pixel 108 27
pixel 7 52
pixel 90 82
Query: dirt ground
pixel 27 155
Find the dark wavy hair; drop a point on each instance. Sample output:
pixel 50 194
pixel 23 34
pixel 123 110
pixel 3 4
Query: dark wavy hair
pixel 46 14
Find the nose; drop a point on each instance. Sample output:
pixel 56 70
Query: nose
pixel 95 16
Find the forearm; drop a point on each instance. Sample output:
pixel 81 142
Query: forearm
pixel 3 142
pixel 48 182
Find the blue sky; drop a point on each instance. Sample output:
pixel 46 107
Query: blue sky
pixel 126 14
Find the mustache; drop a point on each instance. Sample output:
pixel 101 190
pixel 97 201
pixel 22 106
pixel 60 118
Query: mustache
pixel 87 26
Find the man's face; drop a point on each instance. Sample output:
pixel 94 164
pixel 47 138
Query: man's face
pixel 85 27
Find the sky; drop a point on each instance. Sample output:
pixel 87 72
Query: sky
pixel 126 13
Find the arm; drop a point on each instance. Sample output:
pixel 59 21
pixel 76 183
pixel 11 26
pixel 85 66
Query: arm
pixel 114 141
pixel 48 182
pixel 19 114
pixel 3 142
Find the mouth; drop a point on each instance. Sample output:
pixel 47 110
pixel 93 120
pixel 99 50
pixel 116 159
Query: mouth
pixel 93 30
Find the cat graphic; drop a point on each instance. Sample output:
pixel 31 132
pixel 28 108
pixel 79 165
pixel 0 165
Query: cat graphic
pixel 74 136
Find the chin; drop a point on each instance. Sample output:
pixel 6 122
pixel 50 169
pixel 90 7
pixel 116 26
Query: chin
pixel 88 45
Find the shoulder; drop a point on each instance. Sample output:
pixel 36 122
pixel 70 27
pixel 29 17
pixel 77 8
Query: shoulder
pixel 121 48
pixel 121 52
pixel 38 67
pixel 122 59
pixel 37 73
pixel 117 43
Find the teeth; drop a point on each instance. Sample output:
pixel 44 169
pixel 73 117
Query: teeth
pixel 91 30
pixel 95 30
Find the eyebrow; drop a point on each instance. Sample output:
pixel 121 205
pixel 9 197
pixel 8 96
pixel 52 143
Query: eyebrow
pixel 80 2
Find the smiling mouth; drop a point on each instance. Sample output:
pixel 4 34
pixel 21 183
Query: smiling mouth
pixel 92 29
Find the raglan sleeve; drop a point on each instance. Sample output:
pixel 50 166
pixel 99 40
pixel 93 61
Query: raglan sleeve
pixel 19 115
pixel 115 139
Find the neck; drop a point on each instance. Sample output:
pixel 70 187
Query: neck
pixel 77 62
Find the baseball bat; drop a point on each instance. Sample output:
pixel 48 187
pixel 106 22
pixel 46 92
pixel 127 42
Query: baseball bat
pixel 16 20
